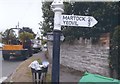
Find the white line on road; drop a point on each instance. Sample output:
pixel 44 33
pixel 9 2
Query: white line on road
pixel 2 79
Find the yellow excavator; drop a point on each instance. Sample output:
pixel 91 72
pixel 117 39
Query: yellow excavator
pixel 15 48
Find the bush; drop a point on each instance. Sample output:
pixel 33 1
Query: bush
pixel 114 51
pixel 25 35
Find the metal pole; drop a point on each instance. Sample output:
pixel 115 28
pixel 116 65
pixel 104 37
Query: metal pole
pixel 57 7
pixel 56 57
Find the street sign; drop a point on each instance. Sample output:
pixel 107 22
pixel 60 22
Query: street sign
pixel 75 20
pixel 50 37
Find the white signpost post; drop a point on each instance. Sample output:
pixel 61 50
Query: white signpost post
pixel 75 20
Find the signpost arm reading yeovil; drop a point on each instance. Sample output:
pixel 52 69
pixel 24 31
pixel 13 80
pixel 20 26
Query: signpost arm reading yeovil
pixel 57 7
pixel 75 20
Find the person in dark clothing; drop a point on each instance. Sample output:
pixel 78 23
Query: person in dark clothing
pixel 14 41
pixel 27 45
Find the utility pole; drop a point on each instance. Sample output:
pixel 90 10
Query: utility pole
pixel 57 7
pixel 18 24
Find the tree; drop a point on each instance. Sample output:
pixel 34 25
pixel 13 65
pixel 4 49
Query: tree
pixel 25 35
pixel 27 29
pixel 25 32
pixel 0 36
pixel 47 25
pixel 114 52
pixel 6 37
pixel 105 12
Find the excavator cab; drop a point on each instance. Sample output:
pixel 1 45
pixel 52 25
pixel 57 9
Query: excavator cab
pixel 14 47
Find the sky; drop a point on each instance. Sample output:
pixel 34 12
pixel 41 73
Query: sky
pixel 27 12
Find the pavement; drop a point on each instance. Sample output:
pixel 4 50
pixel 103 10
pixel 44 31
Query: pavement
pixel 23 73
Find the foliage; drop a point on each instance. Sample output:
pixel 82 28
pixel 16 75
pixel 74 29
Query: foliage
pixel 27 29
pixel 25 35
pixel 106 14
pixel 48 17
pixel 0 36
pixel 99 10
pixel 114 52
pixel 0 33
pixel 44 42
pixel 6 38
pixel 28 33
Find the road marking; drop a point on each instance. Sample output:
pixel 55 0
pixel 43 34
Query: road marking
pixel 2 79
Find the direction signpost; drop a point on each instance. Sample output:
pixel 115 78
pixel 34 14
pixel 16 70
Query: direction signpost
pixel 75 20
pixel 65 20
pixel 57 7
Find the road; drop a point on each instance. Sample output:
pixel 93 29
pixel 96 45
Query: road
pixel 8 67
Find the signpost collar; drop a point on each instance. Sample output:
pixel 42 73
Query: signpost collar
pixel 57 5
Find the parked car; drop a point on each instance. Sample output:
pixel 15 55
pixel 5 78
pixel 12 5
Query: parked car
pixel 36 46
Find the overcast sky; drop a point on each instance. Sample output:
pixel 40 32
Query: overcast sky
pixel 27 12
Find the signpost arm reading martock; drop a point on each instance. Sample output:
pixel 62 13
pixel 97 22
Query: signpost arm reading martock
pixel 76 20
pixel 57 7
